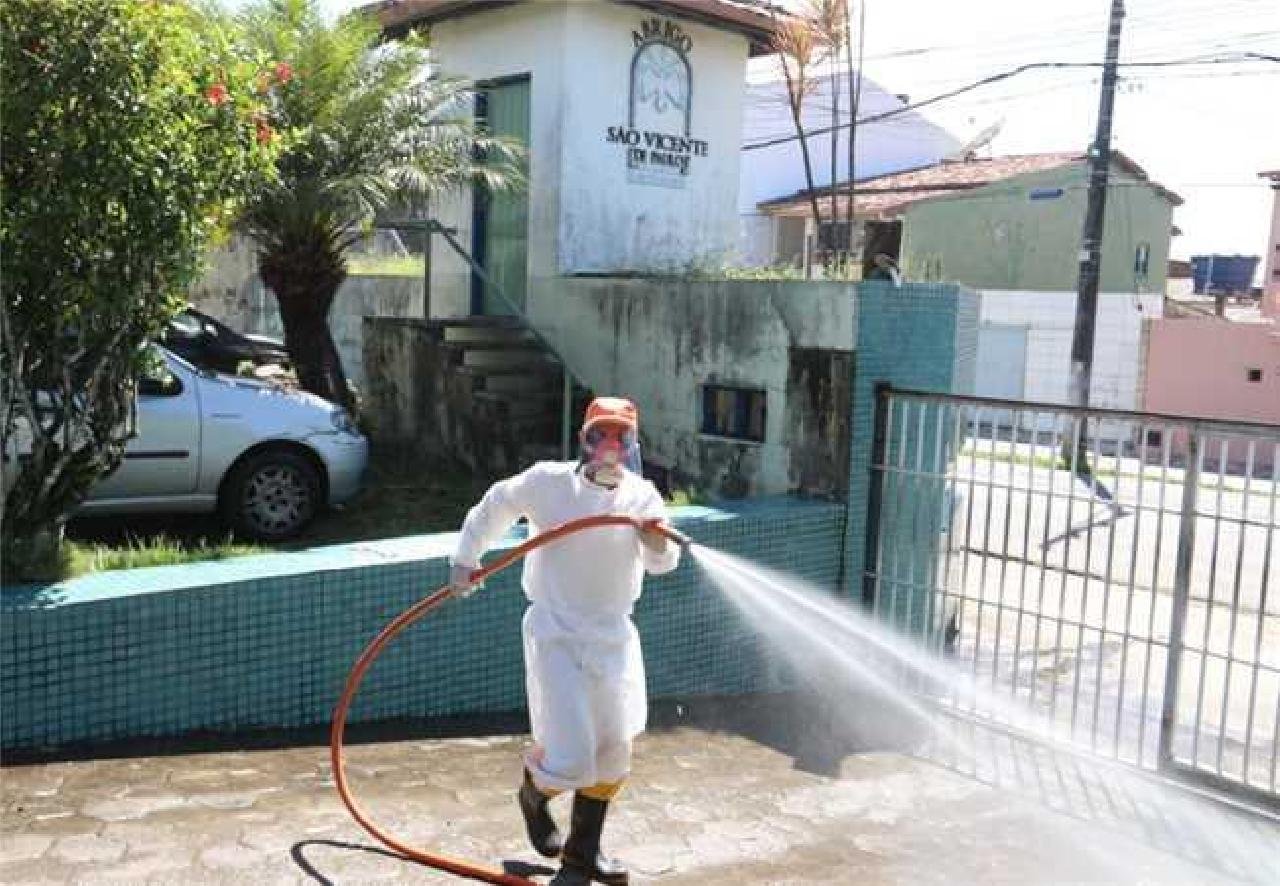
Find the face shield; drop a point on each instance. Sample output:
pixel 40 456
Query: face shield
pixel 611 446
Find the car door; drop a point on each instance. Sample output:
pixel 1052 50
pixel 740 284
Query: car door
pixel 163 459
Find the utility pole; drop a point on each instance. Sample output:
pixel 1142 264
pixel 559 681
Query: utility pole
pixel 1076 450
pixel 1091 246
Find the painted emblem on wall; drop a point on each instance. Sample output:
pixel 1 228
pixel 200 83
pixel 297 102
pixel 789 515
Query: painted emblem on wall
pixel 659 107
pixel 660 79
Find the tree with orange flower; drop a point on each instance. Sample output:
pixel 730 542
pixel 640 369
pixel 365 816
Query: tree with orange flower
pixel 128 136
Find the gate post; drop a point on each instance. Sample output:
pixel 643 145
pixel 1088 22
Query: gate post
pixel 1181 596
pixel 875 494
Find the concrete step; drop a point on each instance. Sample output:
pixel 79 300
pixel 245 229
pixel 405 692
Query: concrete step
pixel 487 335
pixel 523 405
pixel 509 321
pixel 532 379
pixel 501 356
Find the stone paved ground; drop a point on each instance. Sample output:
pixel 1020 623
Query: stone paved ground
pixel 706 806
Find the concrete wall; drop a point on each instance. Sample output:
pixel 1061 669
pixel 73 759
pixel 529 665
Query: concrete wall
pixel 659 341
pixel 587 214
pixel 265 643
pixel 1200 367
pixel 229 288
pixel 1049 321
pixel 998 237
pixel 231 291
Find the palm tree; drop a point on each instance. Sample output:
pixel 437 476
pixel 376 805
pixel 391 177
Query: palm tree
pixel 363 124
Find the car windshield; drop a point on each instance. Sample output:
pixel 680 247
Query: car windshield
pixel 186 325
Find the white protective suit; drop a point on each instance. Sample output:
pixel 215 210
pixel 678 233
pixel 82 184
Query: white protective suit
pixel 583 666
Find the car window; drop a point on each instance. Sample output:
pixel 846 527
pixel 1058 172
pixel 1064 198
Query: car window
pixel 158 381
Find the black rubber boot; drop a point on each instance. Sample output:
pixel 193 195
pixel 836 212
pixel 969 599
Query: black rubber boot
pixel 543 833
pixel 582 861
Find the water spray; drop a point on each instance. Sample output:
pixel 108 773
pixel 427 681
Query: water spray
pixel 337 732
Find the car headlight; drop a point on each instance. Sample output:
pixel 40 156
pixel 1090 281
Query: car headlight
pixel 343 423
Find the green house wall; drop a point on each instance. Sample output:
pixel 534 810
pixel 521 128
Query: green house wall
pixel 998 237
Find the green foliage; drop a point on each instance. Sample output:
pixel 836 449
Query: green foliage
pixel 366 125
pixel 768 272
pixel 129 131
pixel 682 497
pixel 712 270
pixel 396 266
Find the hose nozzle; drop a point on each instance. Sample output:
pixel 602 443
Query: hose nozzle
pixel 669 531
pixel 677 536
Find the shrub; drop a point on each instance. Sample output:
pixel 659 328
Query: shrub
pixel 129 131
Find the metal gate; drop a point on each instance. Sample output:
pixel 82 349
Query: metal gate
pixel 1112 573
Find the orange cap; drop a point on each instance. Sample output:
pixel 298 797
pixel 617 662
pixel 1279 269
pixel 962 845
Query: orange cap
pixel 611 410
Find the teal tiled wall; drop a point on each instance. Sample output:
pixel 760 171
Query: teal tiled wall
pixel 266 642
pixel 920 337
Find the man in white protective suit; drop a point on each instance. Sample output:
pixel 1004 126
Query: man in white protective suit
pixel 583 666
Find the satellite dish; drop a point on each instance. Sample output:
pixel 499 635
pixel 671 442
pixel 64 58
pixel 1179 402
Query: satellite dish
pixel 969 149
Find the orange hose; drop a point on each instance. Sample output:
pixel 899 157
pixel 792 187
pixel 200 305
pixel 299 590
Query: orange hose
pixel 387 634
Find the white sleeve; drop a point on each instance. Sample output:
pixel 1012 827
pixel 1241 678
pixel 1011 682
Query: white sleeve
pixel 505 503
pixel 656 563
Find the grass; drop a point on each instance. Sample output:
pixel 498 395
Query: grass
pixel 160 550
pixel 389 266
pixel 402 495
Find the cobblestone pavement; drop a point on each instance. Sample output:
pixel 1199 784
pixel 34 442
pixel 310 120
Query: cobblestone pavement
pixel 704 807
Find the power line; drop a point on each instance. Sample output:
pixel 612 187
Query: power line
pixel 1150 50
pixel 1058 32
pixel 1005 75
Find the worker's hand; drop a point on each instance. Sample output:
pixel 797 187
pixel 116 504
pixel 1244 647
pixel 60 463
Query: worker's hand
pixel 652 537
pixel 460 583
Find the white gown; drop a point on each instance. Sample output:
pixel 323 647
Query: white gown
pixel 583 666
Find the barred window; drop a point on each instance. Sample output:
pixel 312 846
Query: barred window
pixel 733 412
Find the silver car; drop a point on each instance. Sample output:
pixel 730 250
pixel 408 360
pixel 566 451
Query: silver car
pixel 266 458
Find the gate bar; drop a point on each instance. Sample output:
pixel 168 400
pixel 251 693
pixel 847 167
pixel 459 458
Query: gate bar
pixel 1181 593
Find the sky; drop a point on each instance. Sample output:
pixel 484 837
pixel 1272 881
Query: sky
pixel 1203 131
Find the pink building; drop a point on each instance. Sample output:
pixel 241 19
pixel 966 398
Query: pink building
pixel 1212 368
pixel 1271 281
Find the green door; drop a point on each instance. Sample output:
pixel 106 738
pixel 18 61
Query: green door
pixel 500 221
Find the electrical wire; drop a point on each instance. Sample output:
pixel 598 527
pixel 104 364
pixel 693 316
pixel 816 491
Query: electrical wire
pixel 1049 34
pixel 1005 75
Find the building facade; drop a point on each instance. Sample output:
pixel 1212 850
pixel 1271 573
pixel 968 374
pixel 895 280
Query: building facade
pixel 631 120
pixel 1010 227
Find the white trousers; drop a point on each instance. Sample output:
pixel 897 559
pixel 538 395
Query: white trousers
pixel 586 702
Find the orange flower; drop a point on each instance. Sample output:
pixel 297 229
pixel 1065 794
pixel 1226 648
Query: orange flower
pixel 284 72
pixel 217 95
pixel 265 133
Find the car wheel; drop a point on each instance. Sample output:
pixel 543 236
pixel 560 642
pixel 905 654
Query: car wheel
pixel 272 495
